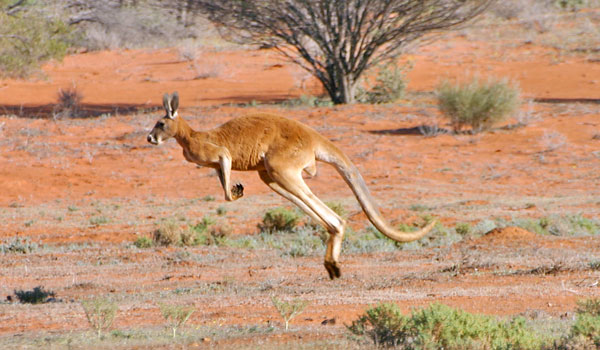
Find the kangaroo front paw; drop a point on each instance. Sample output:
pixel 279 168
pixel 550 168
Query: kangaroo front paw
pixel 237 191
pixel 333 269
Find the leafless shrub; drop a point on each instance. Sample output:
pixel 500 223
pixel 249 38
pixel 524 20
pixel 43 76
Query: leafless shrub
pixel 69 103
pixel 337 41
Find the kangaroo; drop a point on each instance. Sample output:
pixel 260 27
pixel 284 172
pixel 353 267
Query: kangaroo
pixel 279 149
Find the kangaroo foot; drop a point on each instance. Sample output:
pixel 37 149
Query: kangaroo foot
pixel 237 191
pixel 333 268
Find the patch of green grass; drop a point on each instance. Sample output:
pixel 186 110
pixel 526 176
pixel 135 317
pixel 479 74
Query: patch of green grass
pixel 35 296
pixel 442 327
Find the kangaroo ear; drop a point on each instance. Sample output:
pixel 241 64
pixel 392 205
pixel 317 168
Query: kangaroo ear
pixel 167 105
pixel 174 102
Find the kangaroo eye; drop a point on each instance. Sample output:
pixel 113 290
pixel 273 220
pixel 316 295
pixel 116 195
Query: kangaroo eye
pixel 160 125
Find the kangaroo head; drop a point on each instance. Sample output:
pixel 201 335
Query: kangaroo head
pixel 166 127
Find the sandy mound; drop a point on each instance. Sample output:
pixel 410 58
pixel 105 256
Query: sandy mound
pixel 508 236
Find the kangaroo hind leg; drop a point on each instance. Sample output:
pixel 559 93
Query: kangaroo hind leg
pixel 289 181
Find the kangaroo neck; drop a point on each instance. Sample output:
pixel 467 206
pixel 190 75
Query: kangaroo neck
pixel 184 133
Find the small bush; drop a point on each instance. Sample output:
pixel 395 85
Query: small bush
pixel 478 105
pixel 168 233
pixel 35 296
pixel 589 306
pixel 288 309
pixel 100 313
pixel 442 327
pixel 384 324
pixel 143 242
pixel 176 316
pixel 69 103
pixel 389 86
pixel 279 219
pixel 208 232
pixel 463 228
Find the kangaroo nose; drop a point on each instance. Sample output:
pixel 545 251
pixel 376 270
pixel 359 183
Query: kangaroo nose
pixel 149 138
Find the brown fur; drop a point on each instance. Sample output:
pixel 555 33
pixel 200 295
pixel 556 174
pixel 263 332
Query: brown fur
pixel 279 149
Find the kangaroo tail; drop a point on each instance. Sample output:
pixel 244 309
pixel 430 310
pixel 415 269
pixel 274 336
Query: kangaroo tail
pixel 332 155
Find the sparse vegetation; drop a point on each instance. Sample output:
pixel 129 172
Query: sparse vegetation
pixel 389 86
pixel 35 296
pixel 29 37
pixel 476 104
pixel 463 228
pixel 18 244
pixel 441 327
pixel 169 232
pixel 279 219
pixel 585 332
pixel 143 242
pixel 176 315
pixel 100 313
pixel 288 309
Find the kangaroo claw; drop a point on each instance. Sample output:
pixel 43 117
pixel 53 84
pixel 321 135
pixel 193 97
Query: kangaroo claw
pixel 237 191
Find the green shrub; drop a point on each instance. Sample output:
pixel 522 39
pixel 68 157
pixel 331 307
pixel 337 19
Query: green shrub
pixel 100 313
pixel 478 105
pixel 389 86
pixel 442 327
pixel 209 232
pixel 176 315
pixel 28 39
pixel 589 306
pixel 463 228
pixel 279 219
pixel 384 324
pixel 288 309
pixel 587 326
pixel 35 296
pixel 143 242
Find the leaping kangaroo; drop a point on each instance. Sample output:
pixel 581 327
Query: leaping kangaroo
pixel 279 149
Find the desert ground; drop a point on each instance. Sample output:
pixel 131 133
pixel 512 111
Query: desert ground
pixel 77 192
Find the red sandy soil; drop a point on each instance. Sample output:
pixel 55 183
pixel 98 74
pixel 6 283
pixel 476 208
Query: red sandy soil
pixel 60 179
